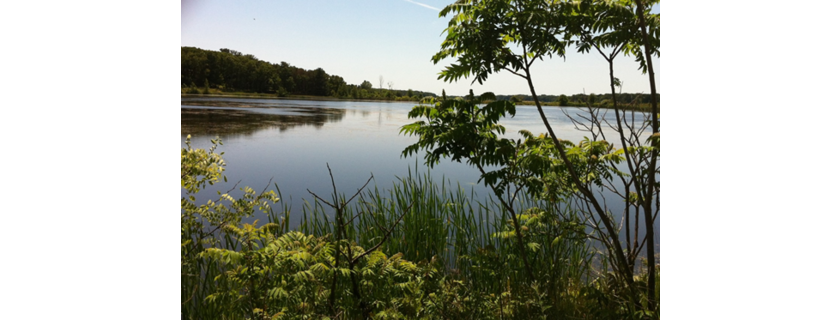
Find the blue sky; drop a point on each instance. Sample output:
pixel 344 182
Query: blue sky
pixel 363 39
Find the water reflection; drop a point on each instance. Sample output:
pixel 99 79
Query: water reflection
pixel 227 121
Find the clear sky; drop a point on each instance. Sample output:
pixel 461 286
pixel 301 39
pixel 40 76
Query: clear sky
pixel 363 39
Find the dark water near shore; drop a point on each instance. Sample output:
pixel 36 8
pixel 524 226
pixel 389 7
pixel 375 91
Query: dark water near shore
pixel 290 142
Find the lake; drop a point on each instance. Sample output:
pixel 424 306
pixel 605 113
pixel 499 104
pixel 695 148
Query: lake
pixel 290 142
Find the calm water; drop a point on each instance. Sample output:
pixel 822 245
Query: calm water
pixel 290 142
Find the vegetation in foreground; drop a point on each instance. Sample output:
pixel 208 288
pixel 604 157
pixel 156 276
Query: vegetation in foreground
pixel 418 250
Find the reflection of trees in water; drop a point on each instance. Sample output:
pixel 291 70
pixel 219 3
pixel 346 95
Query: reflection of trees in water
pixel 226 122
pixel 364 113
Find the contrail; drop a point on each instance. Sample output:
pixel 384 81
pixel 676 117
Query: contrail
pixel 424 5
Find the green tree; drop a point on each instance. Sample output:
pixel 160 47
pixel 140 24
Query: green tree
pixel 564 100
pixel 281 92
pixel 613 28
pixel 290 84
pixel 366 85
pixel 337 86
pixel 321 83
pixel 489 36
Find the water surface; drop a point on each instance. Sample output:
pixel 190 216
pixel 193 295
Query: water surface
pixel 290 142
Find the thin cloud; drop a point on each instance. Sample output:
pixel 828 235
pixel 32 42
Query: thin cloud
pixel 423 5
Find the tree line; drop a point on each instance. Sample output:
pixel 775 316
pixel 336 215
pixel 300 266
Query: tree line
pixel 226 70
pixel 581 99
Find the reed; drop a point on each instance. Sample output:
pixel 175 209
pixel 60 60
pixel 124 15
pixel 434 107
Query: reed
pixel 468 237
pixel 418 249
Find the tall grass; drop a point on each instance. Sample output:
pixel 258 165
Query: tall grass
pixel 450 255
pixel 468 237
pixel 442 222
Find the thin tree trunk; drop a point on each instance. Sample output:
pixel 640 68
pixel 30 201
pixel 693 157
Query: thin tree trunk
pixel 652 170
pixel 616 242
pixel 630 164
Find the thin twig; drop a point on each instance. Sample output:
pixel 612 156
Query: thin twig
pixel 319 198
pixel 234 186
pixel 360 190
pixel 388 234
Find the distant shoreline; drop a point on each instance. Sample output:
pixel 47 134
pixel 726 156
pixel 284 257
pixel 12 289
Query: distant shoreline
pixel 271 96
pixel 640 108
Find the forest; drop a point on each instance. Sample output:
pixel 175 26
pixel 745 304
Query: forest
pixel 226 70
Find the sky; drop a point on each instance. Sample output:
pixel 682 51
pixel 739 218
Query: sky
pixel 365 39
